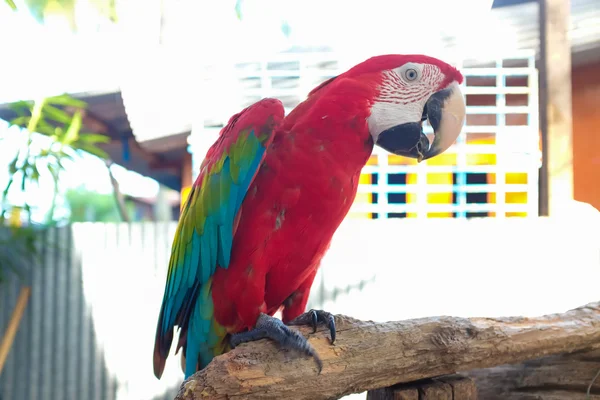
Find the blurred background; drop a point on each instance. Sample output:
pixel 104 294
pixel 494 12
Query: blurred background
pixel 108 107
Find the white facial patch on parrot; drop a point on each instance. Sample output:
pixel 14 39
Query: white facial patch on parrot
pixel 402 96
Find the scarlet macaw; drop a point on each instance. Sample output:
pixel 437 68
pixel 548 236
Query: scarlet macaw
pixel 271 192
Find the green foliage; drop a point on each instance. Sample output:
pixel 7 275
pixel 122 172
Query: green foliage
pixel 60 119
pixel 39 9
pixel 89 206
pixel 17 250
pixel 50 117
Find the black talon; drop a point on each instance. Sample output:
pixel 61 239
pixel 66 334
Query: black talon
pixel 268 327
pixel 313 318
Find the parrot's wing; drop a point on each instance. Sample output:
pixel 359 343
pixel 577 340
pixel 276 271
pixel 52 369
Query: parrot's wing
pixel 206 227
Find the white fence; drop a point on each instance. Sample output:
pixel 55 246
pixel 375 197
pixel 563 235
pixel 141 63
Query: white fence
pixel 88 330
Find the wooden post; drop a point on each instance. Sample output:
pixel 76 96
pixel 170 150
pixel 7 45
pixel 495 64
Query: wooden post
pixel 13 325
pixel 186 171
pixel 186 177
pixel 556 178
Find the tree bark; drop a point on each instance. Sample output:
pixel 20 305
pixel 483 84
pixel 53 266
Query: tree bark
pixel 448 387
pixel 369 355
pixel 559 377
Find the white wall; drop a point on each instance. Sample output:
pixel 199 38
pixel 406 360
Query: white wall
pixel 486 267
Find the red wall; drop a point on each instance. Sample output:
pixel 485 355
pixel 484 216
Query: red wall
pixel 586 133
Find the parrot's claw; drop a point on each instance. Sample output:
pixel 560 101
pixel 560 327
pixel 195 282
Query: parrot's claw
pixel 313 318
pixel 273 328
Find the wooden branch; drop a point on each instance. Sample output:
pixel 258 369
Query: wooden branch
pixel 564 377
pixel 446 387
pixel 13 324
pixel 369 355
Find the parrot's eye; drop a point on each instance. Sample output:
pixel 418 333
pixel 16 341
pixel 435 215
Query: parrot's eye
pixel 411 74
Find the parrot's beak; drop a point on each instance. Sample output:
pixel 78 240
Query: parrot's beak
pixel 445 110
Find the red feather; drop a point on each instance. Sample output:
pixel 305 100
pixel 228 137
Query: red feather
pixel 300 195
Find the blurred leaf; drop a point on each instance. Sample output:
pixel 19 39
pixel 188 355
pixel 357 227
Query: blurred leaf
pixel 57 114
pixel 5 191
pixel 66 100
pixel 47 129
pixel 37 8
pixel 23 169
pixel 20 248
pixel 73 131
pixel 53 169
pixel 21 107
pixel 94 150
pixel 238 9
pixel 36 115
pixel 11 4
pixel 106 8
pixel 19 121
pixel 94 138
pixel 41 8
pixel 35 173
pixel 62 155
pixel 58 132
pixel 12 167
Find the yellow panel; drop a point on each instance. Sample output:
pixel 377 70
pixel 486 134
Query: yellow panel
pixel 438 178
pixel 447 178
pixel 444 178
pixel 516 178
pixel 516 214
pixel 481 138
pixel 365 179
pixel 484 159
pixel 363 198
pixel 411 179
pixel 399 160
pixel 443 159
pixel 184 195
pixel 440 198
pixel 373 160
pixel 481 159
pixel 439 215
pixel 516 198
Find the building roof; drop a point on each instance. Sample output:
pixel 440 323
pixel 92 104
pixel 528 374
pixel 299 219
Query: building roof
pixel 160 159
pixel 521 17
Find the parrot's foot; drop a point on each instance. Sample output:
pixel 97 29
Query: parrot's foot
pixel 273 328
pixel 315 317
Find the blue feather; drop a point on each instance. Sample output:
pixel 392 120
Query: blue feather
pixel 204 239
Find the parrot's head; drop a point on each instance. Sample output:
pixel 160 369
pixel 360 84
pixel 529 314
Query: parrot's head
pixel 407 90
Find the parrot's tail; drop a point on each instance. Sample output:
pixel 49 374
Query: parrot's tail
pixel 204 337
